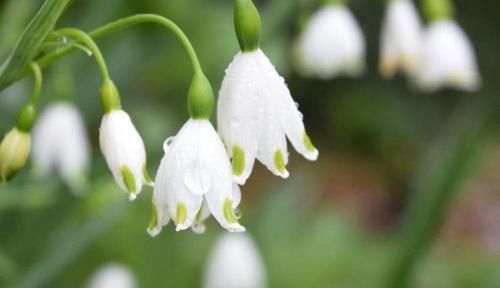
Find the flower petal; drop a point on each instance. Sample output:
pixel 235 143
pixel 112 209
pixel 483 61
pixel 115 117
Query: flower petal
pixel 236 117
pixel 122 146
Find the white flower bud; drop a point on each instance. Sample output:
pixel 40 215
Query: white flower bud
pixel 124 151
pixel 60 142
pixel 112 276
pixel 235 262
pixel 331 45
pixel 448 59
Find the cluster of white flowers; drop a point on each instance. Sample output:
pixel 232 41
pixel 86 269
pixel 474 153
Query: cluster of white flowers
pixel 434 57
pixel 255 115
pixel 199 175
pixel 202 169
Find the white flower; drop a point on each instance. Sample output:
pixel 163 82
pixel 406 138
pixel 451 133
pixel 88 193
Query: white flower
pixel 448 59
pixel 332 44
pixel 255 114
pixel 194 180
pixel 401 39
pixel 235 262
pixel 124 151
pixel 112 276
pixel 60 142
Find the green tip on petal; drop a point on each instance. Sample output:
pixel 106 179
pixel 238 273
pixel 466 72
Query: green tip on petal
pixel 180 214
pixel 279 161
pixel 128 180
pixel 145 175
pixel 228 212
pixel 238 160
pixel 153 222
pixel 307 143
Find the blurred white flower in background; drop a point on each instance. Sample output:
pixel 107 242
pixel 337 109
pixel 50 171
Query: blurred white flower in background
pixel 194 180
pixel 448 59
pixel 112 276
pixel 401 39
pixel 124 151
pixel 235 262
pixel 255 115
pixel 332 44
pixel 60 142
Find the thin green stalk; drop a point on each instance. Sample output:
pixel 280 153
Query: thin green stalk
pixel 124 23
pixel 90 44
pixel 37 86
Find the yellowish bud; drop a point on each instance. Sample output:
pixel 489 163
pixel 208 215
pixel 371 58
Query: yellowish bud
pixel 14 151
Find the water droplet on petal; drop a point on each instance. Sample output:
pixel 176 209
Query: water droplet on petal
pixel 237 213
pixel 168 143
pixel 198 228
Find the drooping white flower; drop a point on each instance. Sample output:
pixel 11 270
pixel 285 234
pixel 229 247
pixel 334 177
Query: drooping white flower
pixel 124 151
pixel 448 59
pixel 235 262
pixel 60 142
pixel 194 180
pixel 255 114
pixel 401 39
pixel 112 276
pixel 332 44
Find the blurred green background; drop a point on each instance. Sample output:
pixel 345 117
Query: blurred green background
pixel 335 223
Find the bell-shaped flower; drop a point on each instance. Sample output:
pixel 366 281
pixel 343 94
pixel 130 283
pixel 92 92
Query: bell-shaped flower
pixel 255 115
pixel 235 262
pixel 332 44
pixel 60 142
pixel 401 39
pixel 448 59
pixel 112 276
pixel 14 151
pixel 194 180
pixel 124 151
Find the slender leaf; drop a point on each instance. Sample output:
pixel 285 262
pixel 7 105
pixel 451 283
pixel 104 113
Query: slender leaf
pixel 28 45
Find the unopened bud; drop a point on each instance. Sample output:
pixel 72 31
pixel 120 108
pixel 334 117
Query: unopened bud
pixel 14 151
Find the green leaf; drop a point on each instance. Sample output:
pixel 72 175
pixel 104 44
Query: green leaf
pixel 32 38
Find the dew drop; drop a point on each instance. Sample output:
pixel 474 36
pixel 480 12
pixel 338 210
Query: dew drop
pixel 168 143
pixel 198 228
pixel 237 213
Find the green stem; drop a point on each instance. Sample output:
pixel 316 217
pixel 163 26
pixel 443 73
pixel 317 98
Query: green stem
pixel 37 88
pixel 89 42
pixel 433 196
pixel 126 22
